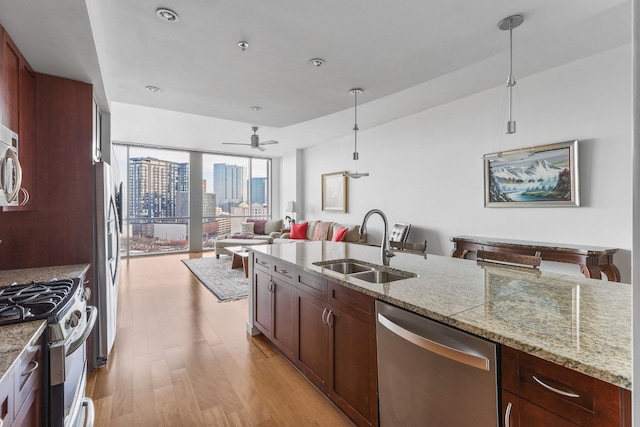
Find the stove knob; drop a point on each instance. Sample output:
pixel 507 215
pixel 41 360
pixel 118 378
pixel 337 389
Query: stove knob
pixel 74 320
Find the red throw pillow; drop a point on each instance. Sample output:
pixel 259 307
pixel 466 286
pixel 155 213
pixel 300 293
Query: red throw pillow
pixel 299 231
pixel 338 236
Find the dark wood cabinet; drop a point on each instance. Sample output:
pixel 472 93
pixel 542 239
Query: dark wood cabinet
pixel 262 310
pixel 10 82
pixel 274 309
pixel 325 329
pixel 353 384
pixel 537 392
pixel 17 112
pixel 312 335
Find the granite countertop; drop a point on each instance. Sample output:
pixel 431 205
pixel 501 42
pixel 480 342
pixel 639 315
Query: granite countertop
pixel 582 324
pixel 14 339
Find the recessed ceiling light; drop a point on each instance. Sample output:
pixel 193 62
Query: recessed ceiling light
pixel 153 89
pixel 243 45
pixel 256 108
pixel 317 62
pixel 167 15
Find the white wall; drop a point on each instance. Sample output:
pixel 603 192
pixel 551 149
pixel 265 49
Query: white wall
pixel 426 169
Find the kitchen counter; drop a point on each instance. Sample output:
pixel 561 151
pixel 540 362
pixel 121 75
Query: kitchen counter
pixel 14 339
pixel 582 324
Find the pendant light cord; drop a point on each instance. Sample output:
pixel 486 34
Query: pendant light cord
pixel 355 126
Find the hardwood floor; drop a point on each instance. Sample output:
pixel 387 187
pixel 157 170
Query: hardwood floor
pixel 181 358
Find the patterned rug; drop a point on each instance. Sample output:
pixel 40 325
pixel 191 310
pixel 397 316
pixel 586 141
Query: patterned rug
pixel 217 276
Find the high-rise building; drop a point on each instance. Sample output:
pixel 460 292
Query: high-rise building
pixel 154 186
pixel 229 185
pixel 259 191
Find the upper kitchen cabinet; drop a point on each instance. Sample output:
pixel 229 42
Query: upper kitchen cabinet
pixel 18 113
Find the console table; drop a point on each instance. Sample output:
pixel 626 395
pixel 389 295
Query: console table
pixel 593 260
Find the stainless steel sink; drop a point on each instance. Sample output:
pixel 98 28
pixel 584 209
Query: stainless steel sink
pixel 347 267
pixel 382 276
pixel 364 271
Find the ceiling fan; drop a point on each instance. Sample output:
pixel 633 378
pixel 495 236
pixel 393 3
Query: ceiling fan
pixel 255 141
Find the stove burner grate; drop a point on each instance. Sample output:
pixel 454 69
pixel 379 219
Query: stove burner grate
pixel 33 301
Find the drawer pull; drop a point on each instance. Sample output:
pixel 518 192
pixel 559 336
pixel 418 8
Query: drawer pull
pixel 555 390
pixel 262 263
pixel 507 415
pixel 324 312
pixel 30 370
pixel 283 271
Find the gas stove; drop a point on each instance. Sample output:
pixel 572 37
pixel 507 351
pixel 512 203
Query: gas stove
pixel 37 300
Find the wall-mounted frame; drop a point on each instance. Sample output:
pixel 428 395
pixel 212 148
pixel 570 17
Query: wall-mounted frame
pixel 542 176
pixel 334 192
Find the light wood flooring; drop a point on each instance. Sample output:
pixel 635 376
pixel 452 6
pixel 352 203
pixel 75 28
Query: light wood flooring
pixel 181 358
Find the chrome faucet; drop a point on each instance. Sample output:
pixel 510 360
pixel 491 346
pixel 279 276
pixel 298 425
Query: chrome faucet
pixel 385 249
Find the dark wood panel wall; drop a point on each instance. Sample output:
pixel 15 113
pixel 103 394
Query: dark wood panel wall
pixel 60 231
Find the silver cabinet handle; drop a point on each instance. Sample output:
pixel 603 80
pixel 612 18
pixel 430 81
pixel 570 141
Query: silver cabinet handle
pixel 271 287
pixel 472 360
pixel 30 370
pixel 507 415
pixel 330 318
pixel 262 263
pixel 284 272
pixel 324 312
pixel 555 390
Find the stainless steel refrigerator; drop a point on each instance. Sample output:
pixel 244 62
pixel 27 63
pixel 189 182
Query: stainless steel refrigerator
pixel 107 260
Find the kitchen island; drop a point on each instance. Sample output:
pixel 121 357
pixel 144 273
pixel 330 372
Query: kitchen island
pixel 577 323
pixel 583 324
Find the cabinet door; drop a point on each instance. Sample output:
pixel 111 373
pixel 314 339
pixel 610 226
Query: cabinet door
pixel 311 357
pixel 6 399
pixel 30 414
pixel 284 297
pixel 10 96
pixel 517 412
pixel 262 315
pixel 353 384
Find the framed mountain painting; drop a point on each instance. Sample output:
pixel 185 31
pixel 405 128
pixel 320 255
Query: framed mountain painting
pixel 542 176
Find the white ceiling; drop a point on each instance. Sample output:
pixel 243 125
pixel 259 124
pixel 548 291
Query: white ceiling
pixel 444 50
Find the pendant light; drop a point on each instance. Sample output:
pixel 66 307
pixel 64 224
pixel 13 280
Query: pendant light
pixel 510 23
pixel 356 174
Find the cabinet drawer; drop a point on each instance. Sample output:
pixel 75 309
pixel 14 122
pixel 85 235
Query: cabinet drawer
pixel 353 302
pixel 6 397
pixel 576 397
pixel 284 272
pixel 28 373
pixel 262 262
pixel 312 285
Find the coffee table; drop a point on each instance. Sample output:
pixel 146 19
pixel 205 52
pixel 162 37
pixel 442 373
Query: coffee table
pixel 240 258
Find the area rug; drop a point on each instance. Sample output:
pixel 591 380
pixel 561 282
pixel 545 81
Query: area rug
pixel 217 276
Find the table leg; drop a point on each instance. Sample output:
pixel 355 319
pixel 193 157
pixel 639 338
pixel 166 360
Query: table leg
pixel 591 272
pixel 245 266
pixel 459 253
pixel 236 261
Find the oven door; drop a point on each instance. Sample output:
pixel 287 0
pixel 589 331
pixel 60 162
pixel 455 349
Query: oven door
pixel 67 399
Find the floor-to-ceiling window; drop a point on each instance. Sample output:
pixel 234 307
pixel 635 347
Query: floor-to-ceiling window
pixel 156 202
pixel 235 188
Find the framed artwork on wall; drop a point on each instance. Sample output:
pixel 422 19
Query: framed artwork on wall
pixel 542 176
pixel 334 192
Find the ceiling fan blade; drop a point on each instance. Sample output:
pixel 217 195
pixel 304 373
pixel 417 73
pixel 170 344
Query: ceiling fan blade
pixel 268 142
pixel 235 143
pixel 260 148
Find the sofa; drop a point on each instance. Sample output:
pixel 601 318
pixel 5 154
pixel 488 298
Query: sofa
pixel 325 230
pixel 261 229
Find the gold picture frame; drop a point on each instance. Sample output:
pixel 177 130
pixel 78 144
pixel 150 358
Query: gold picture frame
pixel 334 192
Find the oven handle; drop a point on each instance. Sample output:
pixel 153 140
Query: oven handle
pixel 93 314
pixel 88 403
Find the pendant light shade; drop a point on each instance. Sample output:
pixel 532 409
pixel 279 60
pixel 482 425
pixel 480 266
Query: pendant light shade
pixel 356 156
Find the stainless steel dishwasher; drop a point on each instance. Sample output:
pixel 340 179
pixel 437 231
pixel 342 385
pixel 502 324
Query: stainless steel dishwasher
pixel 430 374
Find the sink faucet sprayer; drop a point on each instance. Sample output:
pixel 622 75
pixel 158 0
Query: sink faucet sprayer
pixel 385 250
